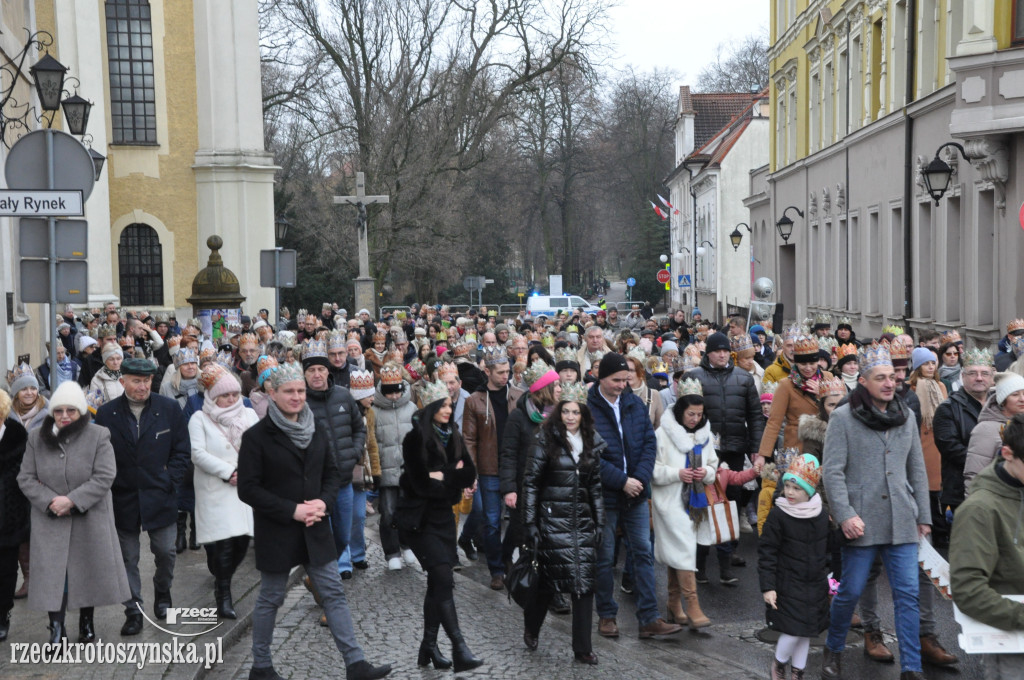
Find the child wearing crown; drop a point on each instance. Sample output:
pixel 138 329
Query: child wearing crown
pixel 792 566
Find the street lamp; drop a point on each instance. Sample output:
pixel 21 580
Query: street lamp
pixel 785 223
pixel 663 258
pixel 97 162
pixel 76 113
pixel 281 225
pixel 664 261
pixel 938 173
pixel 737 236
pixel 49 76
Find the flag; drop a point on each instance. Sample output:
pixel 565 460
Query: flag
pixel 668 205
pixel 658 210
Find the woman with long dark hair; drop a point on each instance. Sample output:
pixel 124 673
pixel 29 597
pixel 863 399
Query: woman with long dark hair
pixel 437 470
pixel 563 511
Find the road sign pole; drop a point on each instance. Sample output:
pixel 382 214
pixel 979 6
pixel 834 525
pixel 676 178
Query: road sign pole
pixel 277 279
pixel 51 225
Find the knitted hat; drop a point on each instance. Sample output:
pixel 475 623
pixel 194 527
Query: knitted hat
pixel 82 341
pixel 110 349
pixel 138 367
pixel 361 384
pixel 716 342
pixel 804 470
pixel 922 355
pixel 768 393
pixel 1007 384
pixel 24 377
pixel 68 393
pixel 669 346
pixel 265 365
pixel 217 381
pixel 611 363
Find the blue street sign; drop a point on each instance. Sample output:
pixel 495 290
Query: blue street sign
pixel 630 282
pixel 684 280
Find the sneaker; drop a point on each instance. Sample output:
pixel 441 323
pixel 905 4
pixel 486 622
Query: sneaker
pixel 370 510
pixel 346 575
pixel 457 566
pixel 409 558
pixel 395 564
pixel 626 585
pixel 702 577
pixel 745 527
pixel 726 577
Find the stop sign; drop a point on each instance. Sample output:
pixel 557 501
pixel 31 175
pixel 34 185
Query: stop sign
pixel 664 276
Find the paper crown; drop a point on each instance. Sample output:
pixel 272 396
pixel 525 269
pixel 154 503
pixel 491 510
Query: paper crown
pixel 173 342
pixel 285 373
pixel 336 341
pixel 792 332
pixel 822 319
pixel 312 320
pixel 106 331
pixel 848 349
pixel 314 349
pixel 806 346
pixel 248 341
pixel 950 337
pixel 978 357
pixel 494 356
pixel 225 359
pixel 470 337
pixel 897 351
pixel 805 471
pixel 303 313
pixel 380 336
pixel 23 371
pixel 210 374
pixel 207 353
pixel 460 349
pixel 893 328
pixel 433 391
pixel 690 386
pixel 828 344
pixel 656 366
pixel 565 354
pixel 185 356
pixel 286 338
pixel 394 356
pixel 1015 325
pixel 416 368
pixel 769 388
pixel 741 343
pixel 94 400
pixel 637 354
pixel 265 365
pixel 447 371
pixel 831 386
pixel 844 321
pixel 442 336
pixel 785 458
pixel 575 392
pixel 872 356
pixel 353 341
pixel 326 306
pixel 391 374
pixel 398 335
pixel 537 370
pixel 360 380
pixel 547 341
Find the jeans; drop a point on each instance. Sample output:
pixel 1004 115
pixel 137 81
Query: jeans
pixel 636 531
pixel 341 526
pixel 493 503
pixel 388 534
pixel 161 544
pixel 926 601
pixel 356 549
pixel 902 568
pixel 273 588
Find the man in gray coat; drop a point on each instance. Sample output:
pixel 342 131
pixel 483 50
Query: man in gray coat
pixel 877 488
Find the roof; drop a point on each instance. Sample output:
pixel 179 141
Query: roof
pixel 716 110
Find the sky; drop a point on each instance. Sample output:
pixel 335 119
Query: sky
pixel 681 34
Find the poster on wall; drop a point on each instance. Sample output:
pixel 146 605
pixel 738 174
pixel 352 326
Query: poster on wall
pixel 215 322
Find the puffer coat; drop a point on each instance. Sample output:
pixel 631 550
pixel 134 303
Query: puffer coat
pixel 793 561
pixel 337 411
pixel 393 422
pixel 565 501
pixel 985 441
pixel 732 406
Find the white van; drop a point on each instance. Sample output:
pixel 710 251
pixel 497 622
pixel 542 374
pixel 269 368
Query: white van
pixel 552 305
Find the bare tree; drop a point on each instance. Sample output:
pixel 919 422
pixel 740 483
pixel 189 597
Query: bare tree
pixel 738 67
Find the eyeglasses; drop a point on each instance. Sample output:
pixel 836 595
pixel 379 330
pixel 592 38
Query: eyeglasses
pixel 954 353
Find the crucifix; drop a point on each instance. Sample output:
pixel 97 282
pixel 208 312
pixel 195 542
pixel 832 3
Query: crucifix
pixel 364 293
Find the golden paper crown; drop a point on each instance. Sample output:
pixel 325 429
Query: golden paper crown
pixel 433 391
pixel 337 341
pixel 264 363
pixel 805 468
pixel 655 365
pixel 951 337
pixel 391 374
pixel 831 386
pixel 846 350
pixel 897 351
pixel 173 341
pixel 893 328
pixel 805 346
pixel 844 321
pixel 1015 325
pixel 873 355
pixel 576 392
pixel 822 319
pixel 741 343
pixel 442 336
pixel 314 348
pixel 447 371
pixel 106 331
pixel 361 380
pixel 210 374
pixel 248 341
pixel 548 341
pixel 689 386
pixel 461 349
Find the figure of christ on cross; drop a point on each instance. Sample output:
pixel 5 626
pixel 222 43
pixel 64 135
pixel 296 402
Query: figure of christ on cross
pixel 364 293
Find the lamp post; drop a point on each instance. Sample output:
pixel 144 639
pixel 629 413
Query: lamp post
pixel 938 173
pixel 736 237
pixel 281 226
pixel 785 223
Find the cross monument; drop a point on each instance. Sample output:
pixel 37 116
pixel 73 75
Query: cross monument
pixel 365 296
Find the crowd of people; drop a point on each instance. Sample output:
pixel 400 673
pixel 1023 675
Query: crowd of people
pixel 583 440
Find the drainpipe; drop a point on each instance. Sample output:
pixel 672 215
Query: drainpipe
pixel 908 172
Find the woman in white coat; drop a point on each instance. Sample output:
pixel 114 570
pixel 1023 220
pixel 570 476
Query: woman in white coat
pixel 223 522
pixel 685 463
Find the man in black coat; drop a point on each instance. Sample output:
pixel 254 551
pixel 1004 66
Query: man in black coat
pixel 152 449
pixel 287 474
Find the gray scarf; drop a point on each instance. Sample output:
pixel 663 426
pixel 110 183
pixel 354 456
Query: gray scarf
pixel 300 431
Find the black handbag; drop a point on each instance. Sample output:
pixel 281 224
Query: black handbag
pixel 522 579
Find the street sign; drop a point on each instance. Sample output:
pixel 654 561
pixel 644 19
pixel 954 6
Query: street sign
pixel 664 276
pixel 26 164
pixel 72 238
pixel 14 203
pixel 72 281
pixel 474 283
pixel 684 281
pixel 282 275
pixel 630 282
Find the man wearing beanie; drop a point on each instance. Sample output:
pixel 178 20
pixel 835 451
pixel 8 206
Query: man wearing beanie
pixel 152 449
pixel 733 407
pixel 627 464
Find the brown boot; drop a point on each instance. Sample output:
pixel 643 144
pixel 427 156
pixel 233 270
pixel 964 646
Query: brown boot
pixel 874 647
pixel 23 553
pixel 675 597
pixel 658 629
pixel 932 652
pixel 607 628
pixel 688 584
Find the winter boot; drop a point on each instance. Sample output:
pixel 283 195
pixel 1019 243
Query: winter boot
pixel 5 624
pixel 225 559
pixel 463 658
pixel 688 586
pixel 192 544
pixel 86 630
pixel 182 540
pixel 676 614
pixel 56 627
pixel 429 653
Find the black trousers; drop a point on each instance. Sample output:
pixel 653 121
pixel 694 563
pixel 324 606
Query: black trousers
pixel 582 618
pixel 8 577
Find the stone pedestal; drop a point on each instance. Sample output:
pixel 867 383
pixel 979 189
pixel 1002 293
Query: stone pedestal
pixel 365 296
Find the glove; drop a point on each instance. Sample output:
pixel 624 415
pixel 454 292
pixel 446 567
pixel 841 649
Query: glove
pixel 376 481
pixel 533 535
pixel 599 538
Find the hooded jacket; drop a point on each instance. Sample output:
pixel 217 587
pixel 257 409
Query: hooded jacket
pixel 953 423
pixel 985 440
pixel 732 406
pixel 788 406
pixel 778 369
pixel 986 554
pixel 393 422
pixel 811 431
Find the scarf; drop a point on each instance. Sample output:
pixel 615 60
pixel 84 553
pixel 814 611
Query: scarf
pixel 300 431
pixel 895 413
pixel 443 433
pixel 111 374
pixel 575 445
pixel 695 498
pixel 188 387
pixel 64 372
pixel 27 414
pixel 850 381
pixel 536 415
pixel 929 391
pixel 229 421
pixel 806 510
pixel 950 373
pixel 801 384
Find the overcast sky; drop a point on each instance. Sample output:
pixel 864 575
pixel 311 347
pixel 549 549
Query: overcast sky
pixel 681 34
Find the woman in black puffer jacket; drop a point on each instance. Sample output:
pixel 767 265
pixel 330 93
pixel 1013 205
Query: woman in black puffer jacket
pixel 563 513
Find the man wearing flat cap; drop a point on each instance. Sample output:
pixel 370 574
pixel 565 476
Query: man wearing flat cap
pixel 149 434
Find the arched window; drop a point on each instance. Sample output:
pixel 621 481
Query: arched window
pixel 132 85
pixel 140 263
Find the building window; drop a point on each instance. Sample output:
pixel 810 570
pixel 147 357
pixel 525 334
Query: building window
pixel 132 87
pixel 1018 21
pixel 140 264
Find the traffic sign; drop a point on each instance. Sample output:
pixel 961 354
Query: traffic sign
pixel 684 281
pixel 664 276
pixel 26 165
pixel 630 282
pixel 1021 216
pixel 72 281
pixel 27 203
pixel 72 238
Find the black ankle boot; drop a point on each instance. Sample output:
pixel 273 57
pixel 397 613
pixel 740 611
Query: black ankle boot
pixel 463 659
pixel 181 541
pixel 222 593
pixel 429 653
pixel 161 601
pixel 56 627
pixel 86 631
pixel 192 545
pixel 5 624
